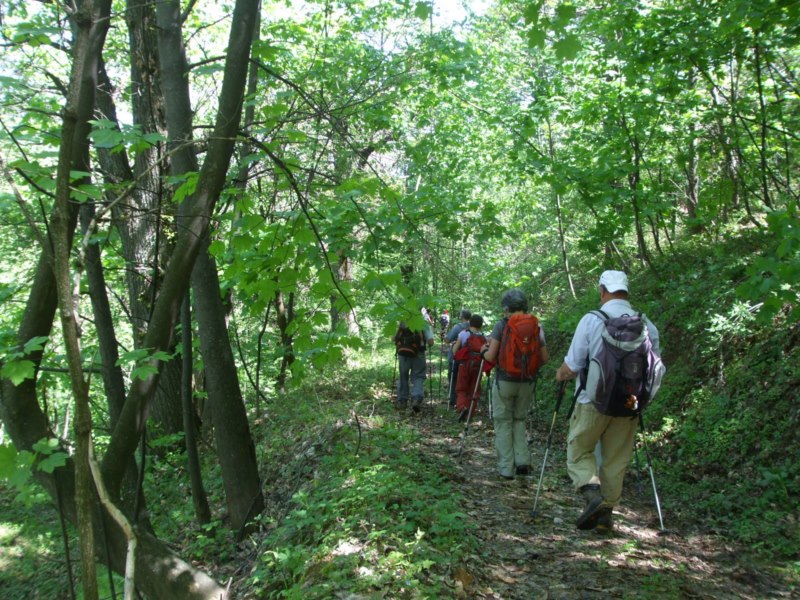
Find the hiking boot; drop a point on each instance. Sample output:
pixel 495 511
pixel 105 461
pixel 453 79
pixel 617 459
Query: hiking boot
pixel 605 520
pixel 523 470
pixel 401 404
pixel 416 404
pixel 506 477
pixel 588 519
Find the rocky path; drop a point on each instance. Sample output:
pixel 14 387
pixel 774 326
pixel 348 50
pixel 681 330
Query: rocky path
pixel 545 557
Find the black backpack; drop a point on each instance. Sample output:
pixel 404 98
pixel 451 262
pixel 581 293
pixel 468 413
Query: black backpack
pixel 626 372
pixel 409 343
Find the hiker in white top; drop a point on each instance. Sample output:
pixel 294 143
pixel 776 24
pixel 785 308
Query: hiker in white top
pixel 600 487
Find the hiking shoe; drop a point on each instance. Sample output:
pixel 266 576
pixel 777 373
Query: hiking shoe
pixel 605 520
pixel 401 405
pixel 588 519
pixel 506 477
pixel 523 470
pixel 415 408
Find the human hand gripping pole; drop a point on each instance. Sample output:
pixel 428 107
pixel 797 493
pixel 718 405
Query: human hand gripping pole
pixel 559 398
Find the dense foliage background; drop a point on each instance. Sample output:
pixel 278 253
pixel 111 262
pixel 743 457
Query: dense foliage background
pixel 387 158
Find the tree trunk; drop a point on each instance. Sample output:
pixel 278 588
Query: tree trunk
pixel 284 313
pixel 159 573
pixel 235 448
pixel 139 219
pixel 762 116
pixel 201 508
pixel 91 24
pixel 559 217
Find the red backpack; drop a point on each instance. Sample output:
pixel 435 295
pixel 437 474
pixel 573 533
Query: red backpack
pixel 520 348
pixel 472 349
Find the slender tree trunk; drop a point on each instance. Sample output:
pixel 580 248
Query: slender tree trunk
pixel 762 115
pixel 201 508
pixel 559 217
pixel 633 183
pixel 235 448
pixel 284 316
pixel 91 25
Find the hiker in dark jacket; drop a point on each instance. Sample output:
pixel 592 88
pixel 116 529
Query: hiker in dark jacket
pixel 452 368
pixel 601 487
pixel 411 346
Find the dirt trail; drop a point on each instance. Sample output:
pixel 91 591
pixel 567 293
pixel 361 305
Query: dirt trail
pixel 548 558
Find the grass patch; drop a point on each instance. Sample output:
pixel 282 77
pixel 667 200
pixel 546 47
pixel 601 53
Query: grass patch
pixel 369 512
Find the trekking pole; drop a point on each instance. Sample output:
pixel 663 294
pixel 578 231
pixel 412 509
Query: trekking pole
pixel 430 375
pixel 472 404
pixel 529 416
pixel 652 477
pixel 394 378
pixel 638 469
pixel 439 390
pixel 559 398
pixel 490 397
pixel 452 378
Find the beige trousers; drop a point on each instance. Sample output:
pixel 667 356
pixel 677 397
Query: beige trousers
pixel 615 434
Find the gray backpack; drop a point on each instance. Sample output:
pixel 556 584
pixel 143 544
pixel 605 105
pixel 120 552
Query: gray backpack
pixel 626 372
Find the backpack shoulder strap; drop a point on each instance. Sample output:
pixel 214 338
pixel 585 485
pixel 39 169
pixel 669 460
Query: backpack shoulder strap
pixel 600 314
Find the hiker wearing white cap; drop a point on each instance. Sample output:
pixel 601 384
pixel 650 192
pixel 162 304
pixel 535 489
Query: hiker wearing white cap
pixel 600 487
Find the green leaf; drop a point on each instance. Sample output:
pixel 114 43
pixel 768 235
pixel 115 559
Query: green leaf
pixel 567 48
pixel 52 462
pixel 537 38
pixel 8 461
pixel 18 371
pixel 144 372
pixel 217 248
pixel 532 11
pixel 423 11
pixel 564 14
pixel 35 344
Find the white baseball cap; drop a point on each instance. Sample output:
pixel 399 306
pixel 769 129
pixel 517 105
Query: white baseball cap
pixel 614 281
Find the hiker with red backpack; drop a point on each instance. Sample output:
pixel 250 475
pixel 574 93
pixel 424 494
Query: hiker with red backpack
pixel 452 365
pixel 615 352
pixel 410 347
pixel 467 353
pixel 517 345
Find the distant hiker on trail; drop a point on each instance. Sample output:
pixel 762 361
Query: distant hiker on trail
pixel 467 353
pixel 411 347
pixel 517 345
pixel 427 316
pixel 601 488
pixel 444 323
pixel 452 367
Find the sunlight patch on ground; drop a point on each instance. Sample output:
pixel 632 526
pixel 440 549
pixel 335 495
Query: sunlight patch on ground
pixel 8 555
pixel 346 547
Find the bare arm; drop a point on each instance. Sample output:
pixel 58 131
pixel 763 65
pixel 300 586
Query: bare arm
pixel 564 373
pixel 491 353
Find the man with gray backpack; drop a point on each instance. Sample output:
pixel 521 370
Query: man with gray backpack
pixel 615 353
